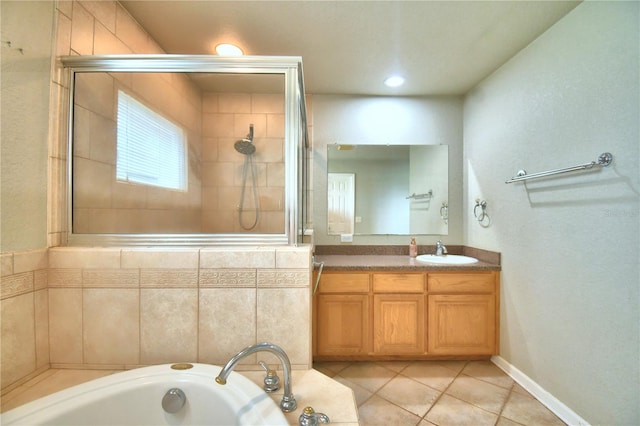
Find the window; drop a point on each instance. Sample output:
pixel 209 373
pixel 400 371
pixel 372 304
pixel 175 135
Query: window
pixel 151 149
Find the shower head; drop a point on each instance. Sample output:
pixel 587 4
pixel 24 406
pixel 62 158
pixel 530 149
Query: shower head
pixel 245 146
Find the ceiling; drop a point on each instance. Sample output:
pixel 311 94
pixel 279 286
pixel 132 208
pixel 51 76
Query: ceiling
pixel 350 47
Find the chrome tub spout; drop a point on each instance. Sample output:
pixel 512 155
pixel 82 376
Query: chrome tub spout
pixel 288 402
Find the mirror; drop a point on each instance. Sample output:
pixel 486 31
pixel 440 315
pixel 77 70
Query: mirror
pixel 387 189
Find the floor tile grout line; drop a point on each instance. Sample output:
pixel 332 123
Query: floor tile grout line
pixel 443 392
pixel 505 403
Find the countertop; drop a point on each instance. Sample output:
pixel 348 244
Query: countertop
pixel 338 262
pixel 346 258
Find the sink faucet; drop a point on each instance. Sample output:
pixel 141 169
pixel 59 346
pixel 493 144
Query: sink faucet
pixel 441 249
pixel 288 402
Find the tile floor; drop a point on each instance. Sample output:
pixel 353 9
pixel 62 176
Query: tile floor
pixel 421 393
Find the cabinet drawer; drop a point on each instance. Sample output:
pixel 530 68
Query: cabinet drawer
pixel 344 283
pixel 461 283
pixel 398 283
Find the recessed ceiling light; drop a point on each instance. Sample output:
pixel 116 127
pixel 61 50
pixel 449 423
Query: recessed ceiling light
pixel 226 49
pixel 394 81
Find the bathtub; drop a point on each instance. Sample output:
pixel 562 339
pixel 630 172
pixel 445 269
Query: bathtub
pixel 135 397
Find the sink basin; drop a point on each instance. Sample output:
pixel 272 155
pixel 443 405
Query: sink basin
pixel 449 259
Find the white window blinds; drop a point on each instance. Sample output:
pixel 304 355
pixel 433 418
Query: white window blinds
pixel 151 149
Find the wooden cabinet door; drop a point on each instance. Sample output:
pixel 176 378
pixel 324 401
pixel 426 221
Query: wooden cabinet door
pixel 343 324
pixel 462 324
pixel 398 324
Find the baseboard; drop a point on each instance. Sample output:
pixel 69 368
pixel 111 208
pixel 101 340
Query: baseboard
pixel 551 402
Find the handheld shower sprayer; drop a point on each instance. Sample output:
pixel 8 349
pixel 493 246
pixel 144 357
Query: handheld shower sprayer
pixel 245 146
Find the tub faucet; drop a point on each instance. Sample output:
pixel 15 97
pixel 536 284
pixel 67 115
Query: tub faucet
pixel 288 402
pixel 441 249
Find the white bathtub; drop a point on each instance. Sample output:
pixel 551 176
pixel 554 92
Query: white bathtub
pixel 134 397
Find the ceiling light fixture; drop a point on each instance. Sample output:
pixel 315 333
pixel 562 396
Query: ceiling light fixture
pixel 226 49
pixel 394 81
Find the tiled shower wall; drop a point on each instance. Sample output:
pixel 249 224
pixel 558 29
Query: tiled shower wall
pixel 121 308
pixel 226 119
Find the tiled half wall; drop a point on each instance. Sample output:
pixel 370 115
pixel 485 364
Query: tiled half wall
pixel 122 308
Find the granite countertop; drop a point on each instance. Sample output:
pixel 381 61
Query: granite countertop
pixel 393 258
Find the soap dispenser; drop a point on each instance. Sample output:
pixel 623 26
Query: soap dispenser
pixel 413 248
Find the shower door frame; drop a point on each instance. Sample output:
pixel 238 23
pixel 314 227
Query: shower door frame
pixel 295 142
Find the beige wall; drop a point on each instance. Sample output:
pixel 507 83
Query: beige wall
pixel 25 80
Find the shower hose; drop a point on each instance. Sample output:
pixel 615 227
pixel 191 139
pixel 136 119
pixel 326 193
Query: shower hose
pixel 249 168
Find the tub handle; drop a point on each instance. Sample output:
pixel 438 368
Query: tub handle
pixel 173 400
pixel 271 380
pixel 310 418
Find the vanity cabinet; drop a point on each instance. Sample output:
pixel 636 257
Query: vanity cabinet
pixel 406 315
pixel 398 313
pixel 342 315
pixel 462 314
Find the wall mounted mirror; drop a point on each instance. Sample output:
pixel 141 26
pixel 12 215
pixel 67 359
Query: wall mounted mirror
pixel 387 189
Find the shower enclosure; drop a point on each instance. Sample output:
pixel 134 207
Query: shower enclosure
pixel 159 154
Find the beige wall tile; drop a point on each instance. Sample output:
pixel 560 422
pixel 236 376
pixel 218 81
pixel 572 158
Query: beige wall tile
pixel 167 258
pixel 65 325
pixel 40 279
pixel 234 103
pixel 234 258
pixel 283 277
pixel 65 277
pixel 275 308
pixel 275 125
pixel 16 284
pixel 30 260
pixel 217 125
pixel 210 149
pixel 63 37
pixel 41 318
pixel 293 257
pixel 104 11
pixel 210 102
pixel 168 325
pixel 128 30
pixel 6 264
pixel 95 92
pixel 92 183
pixel 110 278
pixel 83 257
pixel 275 175
pixel 81 30
pixel 227 151
pixel 241 123
pixel 18 338
pixel 270 150
pixel 160 278
pixel 105 41
pixel 65 6
pixel 267 103
pixel 227 278
pixel 111 326
pixel 227 324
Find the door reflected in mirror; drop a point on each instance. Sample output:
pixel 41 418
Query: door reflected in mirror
pixel 387 189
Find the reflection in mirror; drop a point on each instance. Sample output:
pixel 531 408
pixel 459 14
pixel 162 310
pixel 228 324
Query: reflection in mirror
pixel 181 153
pixel 387 189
